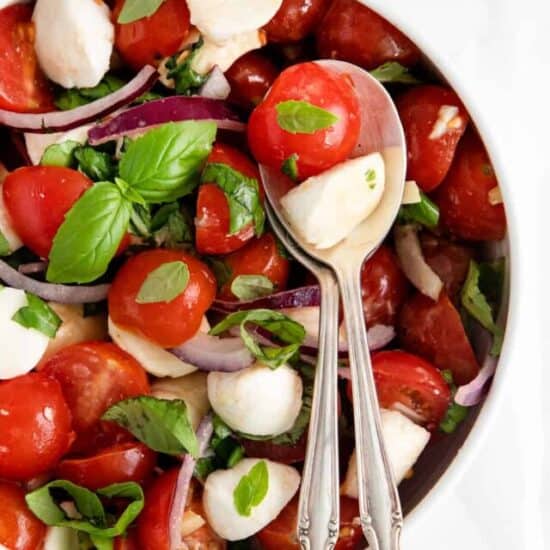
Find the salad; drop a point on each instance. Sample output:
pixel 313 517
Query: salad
pixel 158 342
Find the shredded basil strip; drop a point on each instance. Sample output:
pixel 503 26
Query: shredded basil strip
pixel 251 489
pixel 456 413
pixel 302 117
pixel 250 287
pixel 38 315
pixel 186 80
pixel 425 212
pixel 5 249
pixel 76 97
pixel 393 72
pixel 290 167
pixel 133 10
pixel 164 284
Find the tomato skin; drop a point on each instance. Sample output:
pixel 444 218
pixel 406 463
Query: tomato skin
pixel 35 426
pixel 295 20
pixel 23 86
pixel 285 454
pixel 463 198
pixel 147 40
pixel 280 534
pixel 352 32
pixel 429 160
pixel 384 287
pixel 271 145
pixel 212 222
pixel 48 192
pixel 434 331
pixel 167 324
pixel 250 78
pixel 116 464
pixel 259 257
pixel 20 529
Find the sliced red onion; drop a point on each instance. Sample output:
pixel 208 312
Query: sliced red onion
pixel 380 336
pixel 160 111
pixel 57 121
pixel 472 393
pixel 214 354
pixel 32 267
pixel 217 86
pixel 179 500
pixel 413 264
pixel 304 296
pixel 63 294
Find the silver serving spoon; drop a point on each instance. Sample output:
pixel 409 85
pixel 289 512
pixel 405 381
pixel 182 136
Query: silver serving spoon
pixel 381 131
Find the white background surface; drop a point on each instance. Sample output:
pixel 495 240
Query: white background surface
pixel 497 51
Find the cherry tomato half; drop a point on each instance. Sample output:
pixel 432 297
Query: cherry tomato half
pixel 463 198
pixel 20 529
pixel 130 461
pixel 35 426
pixel 432 130
pixel 352 32
pixel 23 87
pixel 148 40
pixel 317 151
pixel 212 221
pixel 48 192
pixel 166 323
pixel 434 330
pixel 260 257
pixel 280 534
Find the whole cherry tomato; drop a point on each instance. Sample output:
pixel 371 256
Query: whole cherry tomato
pixel 152 524
pixel 434 330
pixel 280 534
pixel 383 287
pixel 463 198
pixel 434 120
pixel 260 257
pixel 317 150
pixel 149 39
pixel 23 87
pixel 94 376
pixel 48 192
pixel 35 426
pixel 166 323
pixel 352 32
pixel 250 78
pixel 295 20
pixel 212 222
pixel 285 454
pixel 20 529
pixel 130 461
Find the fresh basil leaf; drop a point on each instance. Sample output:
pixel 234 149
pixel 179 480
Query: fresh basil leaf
pixel 243 196
pixel 39 315
pixel 284 328
pixel 5 249
pixel 172 226
pixel 455 415
pixel 251 489
pixel 250 287
pixel 76 97
pixel 290 167
pixel 186 80
pixel 165 163
pixel 140 220
pixel 90 235
pixel 395 73
pixel 137 9
pixel 425 212
pixel 162 424
pixel 164 284
pixel 97 165
pixel 302 117
pixel 129 193
pixel 60 154
pixel 95 521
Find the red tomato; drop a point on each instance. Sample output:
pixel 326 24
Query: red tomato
pixel 94 376
pixel 429 156
pixel 354 33
pixel 434 330
pixel 295 20
pixel 148 40
pixel 280 534
pixel 23 87
pixel 384 288
pixel 407 379
pixel 35 426
pixel 128 542
pixel 152 524
pixel 212 221
pixel 20 529
pixel 250 77
pixel 271 145
pixel 463 198
pixel 166 323
pixel 259 257
pixel 48 192
pixel 285 454
pixel 116 464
